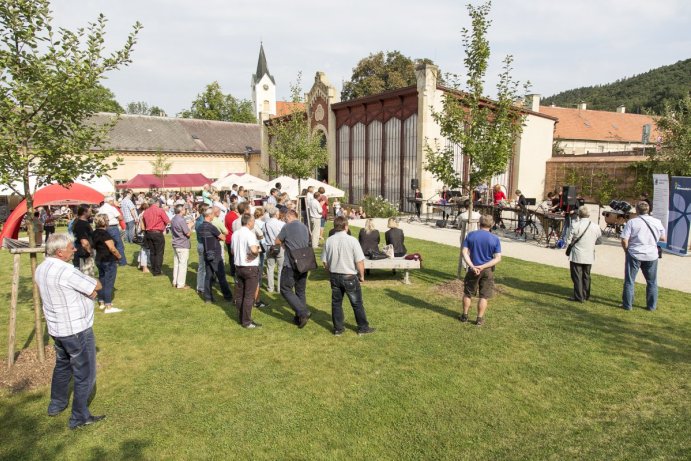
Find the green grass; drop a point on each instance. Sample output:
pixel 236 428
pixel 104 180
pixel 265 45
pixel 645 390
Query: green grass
pixel 543 379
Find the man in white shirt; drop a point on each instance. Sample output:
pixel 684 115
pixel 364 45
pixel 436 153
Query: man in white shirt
pixel 114 220
pixel 314 213
pixel 343 259
pixel 639 240
pixel 271 230
pixel 246 256
pixel 273 197
pixel 67 295
pixel 130 215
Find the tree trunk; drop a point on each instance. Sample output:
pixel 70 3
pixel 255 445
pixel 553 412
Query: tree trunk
pixel 12 333
pixel 38 326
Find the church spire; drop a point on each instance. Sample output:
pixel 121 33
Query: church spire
pixel 262 67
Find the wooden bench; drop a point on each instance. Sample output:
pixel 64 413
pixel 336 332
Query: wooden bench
pixel 396 263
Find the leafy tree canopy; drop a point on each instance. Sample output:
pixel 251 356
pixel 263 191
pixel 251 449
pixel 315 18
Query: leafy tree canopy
pixel 143 108
pixel 213 104
pixel 104 100
pixel 380 72
pixel 647 92
pixel 295 151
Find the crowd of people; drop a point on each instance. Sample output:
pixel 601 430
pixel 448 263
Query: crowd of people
pixel 264 241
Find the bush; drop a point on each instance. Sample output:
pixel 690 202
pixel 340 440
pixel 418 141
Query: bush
pixel 379 207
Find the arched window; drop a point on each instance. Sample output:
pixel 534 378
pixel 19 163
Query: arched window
pixel 265 107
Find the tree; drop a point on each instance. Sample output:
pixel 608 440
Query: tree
pixel 380 72
pixel 49 83
pixel 104 100
pixel 485 130
pixel 212 104
pixel 295 150
pixel 161 167
pixel 674 153
pixel 143 108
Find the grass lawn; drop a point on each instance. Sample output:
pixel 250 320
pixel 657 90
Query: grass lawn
pixel 543 379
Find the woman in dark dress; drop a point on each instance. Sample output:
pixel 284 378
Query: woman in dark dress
pixel 369 237
pixel 107 257
pixel 394 236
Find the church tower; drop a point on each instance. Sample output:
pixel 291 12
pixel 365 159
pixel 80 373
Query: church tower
pixel 263 88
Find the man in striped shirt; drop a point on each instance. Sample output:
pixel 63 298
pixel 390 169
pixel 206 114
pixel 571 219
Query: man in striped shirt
pixel 68 307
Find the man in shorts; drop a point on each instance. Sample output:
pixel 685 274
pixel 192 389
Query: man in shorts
pixel 481 252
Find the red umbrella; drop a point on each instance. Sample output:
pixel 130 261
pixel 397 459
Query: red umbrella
pixel 53 195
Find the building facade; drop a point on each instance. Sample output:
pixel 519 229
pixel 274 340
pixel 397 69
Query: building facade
pixel 209 147
pixel 377 144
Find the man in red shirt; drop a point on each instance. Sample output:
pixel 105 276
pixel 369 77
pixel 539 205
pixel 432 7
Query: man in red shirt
pixel 231 216
pixel 154 222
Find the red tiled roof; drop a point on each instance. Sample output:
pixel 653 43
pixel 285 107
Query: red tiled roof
pixel 598 125
pixel 287 108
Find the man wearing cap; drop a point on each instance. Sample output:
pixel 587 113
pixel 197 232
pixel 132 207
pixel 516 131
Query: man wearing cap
pixel 154 222
pixel 114 220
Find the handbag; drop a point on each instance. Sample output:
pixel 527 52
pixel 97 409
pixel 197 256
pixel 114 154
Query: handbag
pixel 659 248
pixel 388 251
pixel 572 244
pixel 375 255
pixel 303 259
pixel 273 251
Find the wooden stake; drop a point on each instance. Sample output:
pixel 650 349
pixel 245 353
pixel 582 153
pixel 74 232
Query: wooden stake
pixel 12 334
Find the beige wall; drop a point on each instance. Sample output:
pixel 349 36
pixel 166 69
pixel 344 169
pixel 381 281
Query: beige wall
pixel 581 147
pixel 533 150
pixel 429 99
pixel 213 166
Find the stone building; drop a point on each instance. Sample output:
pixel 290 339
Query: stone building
pixel 377 144
pixel 209 147
pixel 582 131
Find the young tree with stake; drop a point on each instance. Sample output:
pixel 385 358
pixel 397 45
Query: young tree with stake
pixel 49 86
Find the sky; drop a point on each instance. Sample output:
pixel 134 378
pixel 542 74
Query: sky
pixel 556 44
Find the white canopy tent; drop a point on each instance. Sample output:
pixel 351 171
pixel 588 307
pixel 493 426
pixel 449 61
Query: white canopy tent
pixel 290 185
pixel 103 184
pixel 245 180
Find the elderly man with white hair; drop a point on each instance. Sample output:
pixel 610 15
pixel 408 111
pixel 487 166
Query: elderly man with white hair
pixel 67 295
pixel 114 219
pixel 583 237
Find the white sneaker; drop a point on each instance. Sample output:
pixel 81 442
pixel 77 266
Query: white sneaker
pixel 111 310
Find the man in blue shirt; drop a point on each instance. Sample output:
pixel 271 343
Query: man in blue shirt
pixel 481 252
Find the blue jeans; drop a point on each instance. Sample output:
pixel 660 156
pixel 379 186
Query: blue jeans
pixel 350 285
pixel 107 270
pixel 129 230
pixel 75 356
pixel 649 269
pixel 114 231
pixel 293 286
pixel 201 267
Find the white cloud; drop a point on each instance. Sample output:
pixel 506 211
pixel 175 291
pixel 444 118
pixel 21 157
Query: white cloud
pixel 557 44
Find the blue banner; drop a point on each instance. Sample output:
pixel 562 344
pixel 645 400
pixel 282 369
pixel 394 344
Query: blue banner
pixel 679 224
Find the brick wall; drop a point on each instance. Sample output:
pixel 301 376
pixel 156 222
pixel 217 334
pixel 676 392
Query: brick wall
pixel 596 177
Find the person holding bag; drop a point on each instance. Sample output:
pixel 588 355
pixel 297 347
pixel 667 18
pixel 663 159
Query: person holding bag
pixel 295 239
pixel 639 240
pixel 584 235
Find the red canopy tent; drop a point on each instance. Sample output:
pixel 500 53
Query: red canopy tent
pixel 54 195
pixel 171 181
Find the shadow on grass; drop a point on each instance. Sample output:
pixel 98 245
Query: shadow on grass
pixel 541 290
pixel 411 301
pixel 25 431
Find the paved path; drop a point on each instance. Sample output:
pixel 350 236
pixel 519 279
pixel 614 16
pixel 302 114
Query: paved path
pixel 673 271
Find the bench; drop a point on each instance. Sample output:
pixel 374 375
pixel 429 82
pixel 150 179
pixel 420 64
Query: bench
pixel 396 263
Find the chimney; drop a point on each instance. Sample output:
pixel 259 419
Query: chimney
pixel 534 102
pixel 621 109
pixel 582 106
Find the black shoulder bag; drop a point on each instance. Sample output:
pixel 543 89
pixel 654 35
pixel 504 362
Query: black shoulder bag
pixel 303 259
pixel 573 244
pixel 659 248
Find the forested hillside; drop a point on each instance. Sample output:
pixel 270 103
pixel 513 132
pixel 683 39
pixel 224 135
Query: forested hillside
pixel 647 91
